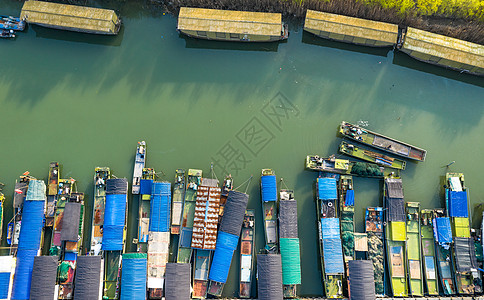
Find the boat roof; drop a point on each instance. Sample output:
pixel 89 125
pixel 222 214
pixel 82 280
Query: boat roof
pixel 229 21
pixel 345 25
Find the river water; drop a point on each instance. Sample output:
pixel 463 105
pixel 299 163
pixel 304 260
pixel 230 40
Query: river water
pixel 86 100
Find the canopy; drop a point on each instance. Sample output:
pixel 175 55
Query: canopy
pixel 361 276
pixel 145 186
pixel 160 207
pixel 333 257
pixel 269 270
pixel 394 187
pixel 234 212
pixel 465 255
pixel 116 186
pixel 133 281
pixel 44 276
pixel 87 279
pixel 291 260
pixel 288 219
pixel 177 282
pixel 268 188
pixel 458 204
pixel 70 222
pixel 444 232
pixel 330 228
pixel 114 219
pixel 327 188
pixel 350 198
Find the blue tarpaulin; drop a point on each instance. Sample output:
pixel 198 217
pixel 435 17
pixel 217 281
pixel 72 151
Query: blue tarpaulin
pixel 23 274
pixel 327 188
pixel 444 231
pixel 160 207
pixel 227 240
pixel 133 279
pixel 458 204
pixel 4 283
pixel 350 198
pixel 114 218
pixel 72 256
pixel 330 228
pixel 145 186
pixel 333 256
pixel 186 237
pixel 268 188
pixel 32 223
pixel 222 258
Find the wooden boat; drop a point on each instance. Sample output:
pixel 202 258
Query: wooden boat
pixel 200 274
pixel 147 178
pixel 374 231
pixel 269 209
pixel 178 197
pixel 381 142
pixel 457 208
pixel 20 192
pixel 184 243
pixel 371 156
pixel 5 33
pixel 443 251
pixel 395 235
pixel 346 167
pixel 11 23
pixel 52 192
pixel 226 188
pixel 428 252
pixel 101 174
pixel 247 243
pixel 414 255
pixel 66 188
pixel 347 209
pixel 329 237
pixel 139 164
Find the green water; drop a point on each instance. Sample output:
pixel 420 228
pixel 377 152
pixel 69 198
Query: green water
pixel 86 100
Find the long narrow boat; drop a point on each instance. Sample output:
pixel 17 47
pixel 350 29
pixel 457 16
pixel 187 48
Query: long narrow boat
pixel 227 186
pixel 331 254
pixel 52 193
pixel 374 232
pixel 347 209
pixel 428 252
pixel 371 156
pixel 178 197
pixel 20 192
pixel 457 207
pixel 101 175
pixel 2 199
pixel 346 167
pixel 381 142
pixel 414 255
pixel 13 23
pixel 269 209
pixel 184 243
pixel 247 243
pixel 395 235
pixel 139 164
pixel 66 187
pixel 146 183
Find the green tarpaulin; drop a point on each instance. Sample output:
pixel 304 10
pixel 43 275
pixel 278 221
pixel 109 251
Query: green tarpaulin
pixel 291 260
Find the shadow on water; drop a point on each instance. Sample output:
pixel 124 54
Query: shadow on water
pixel 195 43
pixel 309 38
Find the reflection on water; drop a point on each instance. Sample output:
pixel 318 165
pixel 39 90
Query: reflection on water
pixel 227 45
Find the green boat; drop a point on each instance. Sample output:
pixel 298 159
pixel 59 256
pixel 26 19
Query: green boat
pixel 428 252
pixel 144 206
pixel 375 252
pixel 269 210
pixel 381 142
pixel 52 192
pixel 184 243
pixel 101 174
pixel 395 235
pixel 371 156
pixel 347 209
pixel 177 205
pixel 414 255
pixel 346 167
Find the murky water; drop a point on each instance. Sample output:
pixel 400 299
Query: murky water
pixel 86 100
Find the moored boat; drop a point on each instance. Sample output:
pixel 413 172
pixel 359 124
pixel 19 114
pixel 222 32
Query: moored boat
pixel 347 214
pixel 247 243
pixel 11 23
pixel 52 193
pixel 428 252
pixel 227 186
pixel 371 156
pixel 443 243
pixel 66 188
pixel 381 142
pixel 20 192
pixel 376 251
pixel 139 164
pixel 178 197
pixel 345 167
pixel 2 199
pixel 146 183
pixel 414 255
pixel 101 175
pixel 269 209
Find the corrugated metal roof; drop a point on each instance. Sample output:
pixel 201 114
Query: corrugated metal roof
pixel 229 21
pixel 367 29
pixel 444 47
pixel 69 16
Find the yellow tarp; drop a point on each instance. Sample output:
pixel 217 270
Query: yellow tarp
pixel 341 164
pixel 461 227
pixel 229 21
pixel 71 17
pixel 366 29
pixel 398 231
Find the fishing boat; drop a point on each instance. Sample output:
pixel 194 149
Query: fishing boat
pixel 184 243
pixel 331 254
pixel 371 156
pixel 101 175
pixel 247 243
pixel 269 209
pixel 5 33
pixel 139 164
pixel 66 188
pixel 395 235
pixel 381 142
pixel 177 205
pixel 414 255
pixel 146 182
pixel 443 243
pixel 347 209
pixel 457 206
pixel 227 186
pixel 346 167
pixel 374 232
pixel 11 23
pixel 52 193
pixel 428 252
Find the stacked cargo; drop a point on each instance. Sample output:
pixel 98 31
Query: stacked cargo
pixel 269 270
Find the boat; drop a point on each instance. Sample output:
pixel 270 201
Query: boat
pixel 381 142
pixel 146 182
pixel 414 255
pixel 52 193
pixel 443 243
pixel 428 252
pixel 457 207
pixel 66 188
pixel 178 197
pixel 346 167
pixel 2 200
pixel 4 33
pixel 184 243
pixel 139 164
pixel 101 175
pixel 330 248
pixel 376 251
pixel 371 156
pixel 13 227
pixel 289 243
pixel 11 23
pixel 395 235
pixel 227 186
pixel 247 243
pixel 269 209
pixel 347 214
